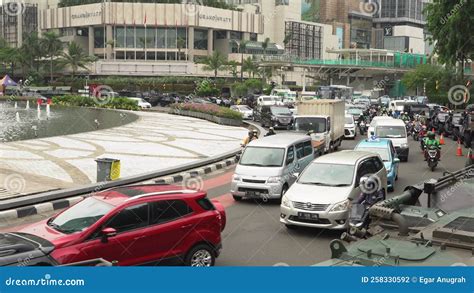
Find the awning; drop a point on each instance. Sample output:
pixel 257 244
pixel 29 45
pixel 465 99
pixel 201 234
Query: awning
pixel 7 81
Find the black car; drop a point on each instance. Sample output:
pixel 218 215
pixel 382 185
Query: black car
pixel 416 109
pixel 23 249
pixel 274 116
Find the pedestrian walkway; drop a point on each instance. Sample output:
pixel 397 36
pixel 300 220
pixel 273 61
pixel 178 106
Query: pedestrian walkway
pixel 156 141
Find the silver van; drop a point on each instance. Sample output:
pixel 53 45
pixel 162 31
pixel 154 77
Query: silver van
pixel 267 166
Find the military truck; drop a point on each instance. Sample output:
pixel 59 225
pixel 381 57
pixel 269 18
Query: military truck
pixel 404 232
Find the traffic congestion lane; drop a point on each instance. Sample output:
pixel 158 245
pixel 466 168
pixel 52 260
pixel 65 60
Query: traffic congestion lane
pixel 254 235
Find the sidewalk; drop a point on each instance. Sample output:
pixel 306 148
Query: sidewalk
pixel 154 142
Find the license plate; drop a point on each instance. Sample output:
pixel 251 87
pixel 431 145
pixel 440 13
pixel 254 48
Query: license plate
pixel 308 216
pixel 252 194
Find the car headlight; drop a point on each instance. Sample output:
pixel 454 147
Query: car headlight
pixel 274 180
pixel 285 202
pixel 236 177
pixel 404 146
pixel 341 206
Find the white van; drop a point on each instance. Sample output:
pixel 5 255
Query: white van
pixel 371 130
pixel 267 166
pixel 395 130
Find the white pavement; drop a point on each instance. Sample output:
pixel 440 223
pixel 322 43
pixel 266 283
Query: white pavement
pixel 156 141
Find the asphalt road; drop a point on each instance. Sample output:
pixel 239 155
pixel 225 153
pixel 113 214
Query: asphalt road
pixel 254 235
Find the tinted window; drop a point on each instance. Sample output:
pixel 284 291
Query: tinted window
pixel 378 164
pixel 366 168
pixel 130 218
pixel 290 157
pixel 206 204
pixel 299 151
pixel 169 210
pixel 308 148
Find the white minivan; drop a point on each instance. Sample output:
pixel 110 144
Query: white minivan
pixel 395 130
pixel 267 166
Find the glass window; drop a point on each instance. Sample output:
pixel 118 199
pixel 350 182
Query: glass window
pixel 323 174
pixel 318 125
pixel 290 156
pixel 200 39
pixel 81 216
pixel 120 37
pixel 99 41
pixel 300 151
pixel 390 132
pixel 130 37
pixel 171 38
pixel 130 218
pixel 384 153
pixel 263 157
pixel 168 210
pixel 378 164
pixel 206 204
pixel 366 168
pixel 308 148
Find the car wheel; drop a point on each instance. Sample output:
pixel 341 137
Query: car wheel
pixel 390 189
pixel 237 198
pixel 200 256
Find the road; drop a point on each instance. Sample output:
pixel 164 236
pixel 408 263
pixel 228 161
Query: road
pixel 254 235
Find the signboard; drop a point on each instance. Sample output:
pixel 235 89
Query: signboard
pixel 388 31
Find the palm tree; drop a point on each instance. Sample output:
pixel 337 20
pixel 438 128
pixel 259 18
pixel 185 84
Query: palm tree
pixel 232 67
pixel 242 47
pixel 52 46
pixel 265 45
pixel 76 58
pixel 249 66
pixel 215 62
pixel 180 43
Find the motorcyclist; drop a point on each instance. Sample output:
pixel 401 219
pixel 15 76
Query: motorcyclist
pixel 271 131
pixel 384 112
pixel 370 198
pixel 405 117
pixel 431 143
pixel 362 119
pixel 251 137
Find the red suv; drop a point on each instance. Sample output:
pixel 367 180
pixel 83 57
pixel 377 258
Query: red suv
pixel 136 225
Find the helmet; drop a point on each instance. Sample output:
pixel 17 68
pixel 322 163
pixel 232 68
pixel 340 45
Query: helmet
pixel 271 129
pixel 250 132
pixel 431 135
pixel 255 132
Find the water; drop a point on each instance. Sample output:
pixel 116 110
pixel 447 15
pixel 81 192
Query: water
pixel 19 123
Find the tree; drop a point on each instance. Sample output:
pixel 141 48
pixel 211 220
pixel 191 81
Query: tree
pixel 242 47
pixel 76 58
pixel 232 67
pixel 451 25
pixel 180 43
pixel 249 67
pixel 265 45
pixel 52 47
pixel 215 62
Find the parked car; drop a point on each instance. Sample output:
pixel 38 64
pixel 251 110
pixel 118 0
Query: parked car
pixel 141 103
pixel 246 111
pixel 385 149
pixel 350 127
pixel 135 225
pixel 274 116
pixel 266 167
pixel 323 192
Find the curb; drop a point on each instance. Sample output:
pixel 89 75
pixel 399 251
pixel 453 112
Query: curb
pixel 27 211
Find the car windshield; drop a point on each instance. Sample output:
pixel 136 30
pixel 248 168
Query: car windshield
pixel 390 132
pixel 80 216
pixel 349 120
pixel 262 157
pixel 323 174
pixel 382 152
pixel 317 125
pixel 280 111
pixel 244 108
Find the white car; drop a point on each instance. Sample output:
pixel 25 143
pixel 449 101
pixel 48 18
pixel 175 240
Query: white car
pixel 141 103
pixel 322 195
pixel 350 127
pixel 246 111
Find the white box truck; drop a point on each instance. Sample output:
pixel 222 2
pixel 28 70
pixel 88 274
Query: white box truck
pixel 325 120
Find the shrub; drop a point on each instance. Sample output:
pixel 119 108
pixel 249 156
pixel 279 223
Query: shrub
pixel 112 103
pixel 211 109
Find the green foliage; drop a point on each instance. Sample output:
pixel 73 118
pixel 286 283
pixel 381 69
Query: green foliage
pixel 246 87
pixel 451 24
pixel 112 103
pixel 206 88
pixel 211 109
pixel 76 58
pixel 215 62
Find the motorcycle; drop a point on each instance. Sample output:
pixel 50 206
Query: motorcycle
pixel 359 214
pixel 416 133
pixel 362 128
pixel 432 154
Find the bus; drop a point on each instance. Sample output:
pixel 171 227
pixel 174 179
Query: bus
pixel 335 92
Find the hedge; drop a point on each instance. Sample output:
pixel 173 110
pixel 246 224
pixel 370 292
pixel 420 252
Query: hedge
pixel 108 103
pixel 211 109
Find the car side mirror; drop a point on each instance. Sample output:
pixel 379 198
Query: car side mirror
pixel 107 233
pixel 296 175
pixel 372 133
pixel 396 160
